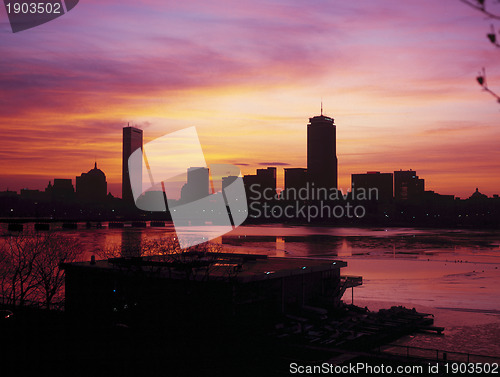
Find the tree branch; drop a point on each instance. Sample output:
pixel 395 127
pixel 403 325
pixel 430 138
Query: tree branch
pixel 481 7
pixel 481 79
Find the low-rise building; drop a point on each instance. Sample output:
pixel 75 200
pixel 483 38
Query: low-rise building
pixel 214 287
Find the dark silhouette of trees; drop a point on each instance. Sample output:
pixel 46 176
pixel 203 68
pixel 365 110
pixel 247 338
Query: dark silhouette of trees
pixel 161 248
pixel 29 267
pixel 198 262
pixel 49 276
pixel 19 253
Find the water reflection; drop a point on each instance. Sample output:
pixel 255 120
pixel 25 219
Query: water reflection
pixel 304 241
pixel 131 243
pixel 345 249
pixel 280 247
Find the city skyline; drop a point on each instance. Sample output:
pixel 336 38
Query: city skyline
pixel 262 187
pixel 132 139
pixel 397 78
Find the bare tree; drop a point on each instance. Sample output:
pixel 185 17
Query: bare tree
pixel 19 254
pixel 4 275
pixel 161 248
pixel 156 247
pixel 29 265
pixel 196 262
pixel 48 274
pixel 484 7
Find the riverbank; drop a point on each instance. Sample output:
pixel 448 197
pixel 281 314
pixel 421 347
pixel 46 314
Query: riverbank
pixel 466 330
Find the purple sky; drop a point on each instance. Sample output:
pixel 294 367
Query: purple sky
pixel 397 76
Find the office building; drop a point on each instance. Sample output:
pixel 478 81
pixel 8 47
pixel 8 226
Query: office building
pixel 322 152
pixel 377 186
pixel 61 191
pixel 408 186
pixel 197 185
pixel 132 140
pixel 295 179
pixel 91 187
pixel 262 183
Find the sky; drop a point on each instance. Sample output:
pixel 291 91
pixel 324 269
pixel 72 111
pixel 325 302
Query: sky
pixel 398 77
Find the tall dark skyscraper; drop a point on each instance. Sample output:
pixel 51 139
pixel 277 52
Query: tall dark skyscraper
pixel 322 151
pixel 132 140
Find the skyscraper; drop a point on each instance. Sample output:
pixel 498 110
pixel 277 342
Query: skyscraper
pixel 322 151
pixel 132 140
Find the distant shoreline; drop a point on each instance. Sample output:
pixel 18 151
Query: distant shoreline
pixel 364 225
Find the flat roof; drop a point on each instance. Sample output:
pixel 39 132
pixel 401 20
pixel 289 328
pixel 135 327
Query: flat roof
pixel 243 268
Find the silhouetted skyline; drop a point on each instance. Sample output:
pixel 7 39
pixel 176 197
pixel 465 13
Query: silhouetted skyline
pixel 321 160
pixel 401 96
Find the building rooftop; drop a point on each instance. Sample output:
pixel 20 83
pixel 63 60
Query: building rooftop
pixel 243 268
pixel 321 118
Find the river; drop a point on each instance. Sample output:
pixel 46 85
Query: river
pixel 453 274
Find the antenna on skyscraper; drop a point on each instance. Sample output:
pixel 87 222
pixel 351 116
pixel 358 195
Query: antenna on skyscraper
pixel 321 106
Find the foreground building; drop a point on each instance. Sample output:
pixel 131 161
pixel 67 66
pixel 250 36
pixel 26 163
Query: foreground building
pixel 218 288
